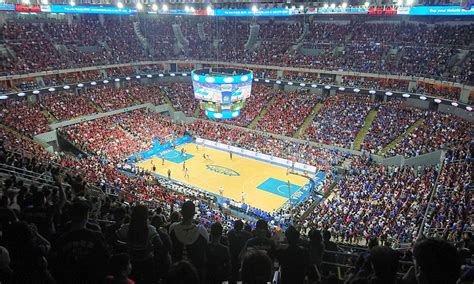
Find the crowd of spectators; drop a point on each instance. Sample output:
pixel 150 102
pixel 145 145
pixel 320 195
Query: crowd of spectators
pixel 330 127
pixel 401 49
pixel 181 96
pixel 287 112
pixel 374 201
pixel 438 131
pixel 24 116
pixel 392 120
pixel 67 105
pixel 110 98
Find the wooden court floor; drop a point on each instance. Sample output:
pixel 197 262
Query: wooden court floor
pixel 235 176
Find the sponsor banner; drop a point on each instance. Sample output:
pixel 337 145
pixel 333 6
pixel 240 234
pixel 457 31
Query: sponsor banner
pixel 258 156
pixel 435 11
pixel 272 12
pixel 7 7
pixel 339 11
pixel 108 10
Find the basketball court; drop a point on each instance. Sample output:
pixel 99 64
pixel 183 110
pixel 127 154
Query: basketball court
pixel 265 185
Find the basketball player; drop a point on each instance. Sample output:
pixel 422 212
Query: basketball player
pixel 230 154
pixel 153 166
pixel 184 165
pixel 186 173
pixel 243 196
pixel 162 160
pixel 221 190
pixel 169 173
pixel 197 148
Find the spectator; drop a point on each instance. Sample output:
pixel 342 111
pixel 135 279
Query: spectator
pixel 218 257
pixel 142 242
pixel 189 240
pixel 182 272
pixel 79 254
pixel 294 260
pixel 28 251
pixel 262 240
pixel 237 238
pixel 257 267
pixel 6 272
pixel 435 262
pixel 119 269
pixel 384 261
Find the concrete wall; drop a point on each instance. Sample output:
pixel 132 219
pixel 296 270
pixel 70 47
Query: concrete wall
pixel 98 115
pixel 429 159
pixel 467 115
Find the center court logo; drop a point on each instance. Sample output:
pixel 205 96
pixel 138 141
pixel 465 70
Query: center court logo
pixel 222 170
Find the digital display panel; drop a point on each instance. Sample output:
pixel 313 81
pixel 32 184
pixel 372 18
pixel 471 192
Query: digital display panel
pixel 222 89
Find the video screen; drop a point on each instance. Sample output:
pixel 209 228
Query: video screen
pixel 222 93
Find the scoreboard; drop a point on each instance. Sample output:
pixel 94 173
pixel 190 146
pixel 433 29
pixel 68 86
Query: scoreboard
pixel 222 91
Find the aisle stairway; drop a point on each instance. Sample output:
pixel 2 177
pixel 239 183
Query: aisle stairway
pixel 261 114
pixel 308 120
pixel 51 118
pixel 397 140
pixel 360 137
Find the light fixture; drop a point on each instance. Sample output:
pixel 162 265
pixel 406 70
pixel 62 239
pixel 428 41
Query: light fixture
pixel 172 74
pixel 161 75
pixel 138 76
pixel 139 6
pixel 454 104
pixel 410 2
pixel 406 95
pixel 290 83
pixel 267 81
pixel 302 84
pixel 327 87
pixel 117 80
pixel 367 4
pixel 326 5
pixel 256 79
pixel 356 90
pixel 437 101
pixel 149 76
pixel 106 81
pixel 165 7
pixel 278 82
pixel 154 7
pixel 120 5
pixel 3 97
pixel 423 98
pixel 333 5
pixel 93 83
pixel 72 3
pixel 21 94
pixel 25 2
pixel 80 85
pixel 128 78
pixel 254 9
pixel 399 3
pixel 184 74
pixel 344 5
pixel 66 87
pixel 468 108
pixel 372 92
pixel 186 8
pixel 302 7
pixel 44 2
pixel 36 92
pixel 51 89
pixel 341 88
pixel 388 93
pixel 314 86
